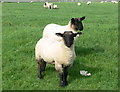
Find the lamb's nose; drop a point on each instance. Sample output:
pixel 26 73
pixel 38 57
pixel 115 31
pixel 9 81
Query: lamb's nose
pixel 69 46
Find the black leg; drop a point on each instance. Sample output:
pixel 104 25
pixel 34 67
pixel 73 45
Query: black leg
pixel 65 69
pixel 63 77
pixel 44 65
pixel 39 71
pixel 41 68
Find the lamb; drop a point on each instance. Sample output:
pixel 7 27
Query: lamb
pixel 31 1
pixel 55 6
pixel 74 25
pixel 2 1
pixel 62 54
pixel 102 2
pixel 115 2
pixel 89 2
pixel 50 5
pixel 78 4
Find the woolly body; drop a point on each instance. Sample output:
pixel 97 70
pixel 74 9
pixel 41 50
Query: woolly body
pixel 54 52
pixel 74 25
pixel 50 30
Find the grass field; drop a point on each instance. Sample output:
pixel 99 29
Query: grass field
pixel 96 49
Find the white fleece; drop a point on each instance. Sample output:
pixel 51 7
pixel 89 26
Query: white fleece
pixel 54 52
pixel 50 30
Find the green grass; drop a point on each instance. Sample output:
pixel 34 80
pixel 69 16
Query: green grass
pixel 0 47
pixel 96 49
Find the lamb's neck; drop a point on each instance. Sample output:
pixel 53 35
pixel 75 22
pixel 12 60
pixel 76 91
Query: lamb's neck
pixel 68 27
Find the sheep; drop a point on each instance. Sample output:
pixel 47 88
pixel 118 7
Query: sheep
pixel 78 4
pixel 31 1
pixel 2 1
pixel 61 54
pixel 89 2
pixel 55 6
pixel 45 5
pixel 74 25
pixel 50 5
pixel 102 2
pixel 115 2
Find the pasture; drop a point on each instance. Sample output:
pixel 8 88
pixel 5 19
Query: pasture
pixel 96 48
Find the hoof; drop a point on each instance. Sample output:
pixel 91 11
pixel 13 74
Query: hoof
pixel 63 84
pixel 40 77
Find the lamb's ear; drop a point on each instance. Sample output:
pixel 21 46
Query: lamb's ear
pixel 72 20
pixel 78 33
pixel 82 18
pixel 59 34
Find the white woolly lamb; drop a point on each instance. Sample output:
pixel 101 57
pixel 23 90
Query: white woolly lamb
pixel 48 5
pixel 115 2
pixel 78 4
pixel 89 2
pixel 102 2
pixel 62 54
pixel 74 25
pixel 31 1
pixel 55 6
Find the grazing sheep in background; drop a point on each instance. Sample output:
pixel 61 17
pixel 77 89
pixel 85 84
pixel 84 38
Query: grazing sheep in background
pixel 50 5
pixel 45 5
pixel 62 54
pixel 55 6
pixel 89 2
pixel 102 2
pixel 78 4
pixel 115 2
pixel 74 25
pixel 2 1
pixel 31 1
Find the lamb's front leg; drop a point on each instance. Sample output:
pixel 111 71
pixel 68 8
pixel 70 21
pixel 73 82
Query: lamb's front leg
pixel 63 72
pixel 63 77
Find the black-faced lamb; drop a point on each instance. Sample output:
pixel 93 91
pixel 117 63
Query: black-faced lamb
pixel 61 53
pixel 50 5
pixel 74 25
pixel 89 2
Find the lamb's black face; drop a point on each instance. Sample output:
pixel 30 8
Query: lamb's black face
pixel 76 23
pixel 68 37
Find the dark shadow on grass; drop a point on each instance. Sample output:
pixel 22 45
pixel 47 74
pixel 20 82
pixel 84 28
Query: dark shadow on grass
pixel 74 72
pixel 81 51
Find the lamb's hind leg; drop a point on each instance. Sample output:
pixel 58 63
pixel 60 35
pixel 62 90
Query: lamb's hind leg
pixel 41 67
